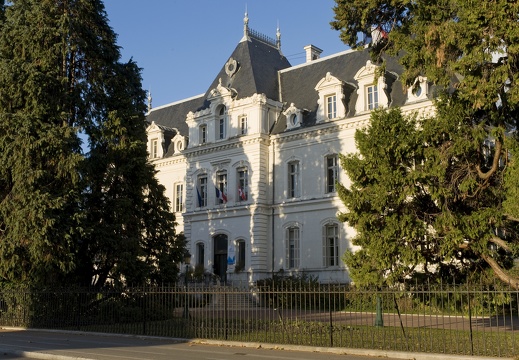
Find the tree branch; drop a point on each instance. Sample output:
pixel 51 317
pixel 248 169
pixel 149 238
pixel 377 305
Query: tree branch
pixel 500 273
pixel 495 163
pixel 501 243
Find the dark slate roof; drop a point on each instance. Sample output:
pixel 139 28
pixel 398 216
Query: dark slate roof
pixel 258 64
pixel 174 115
pixel 298 83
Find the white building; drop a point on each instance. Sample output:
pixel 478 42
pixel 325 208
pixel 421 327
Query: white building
pixel 250 166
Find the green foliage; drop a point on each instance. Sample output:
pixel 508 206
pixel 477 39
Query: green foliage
pixel 438 196
pixel 300 291
pixel 66 216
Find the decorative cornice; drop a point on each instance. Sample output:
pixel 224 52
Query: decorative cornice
pixel 236 143
pixel 173 160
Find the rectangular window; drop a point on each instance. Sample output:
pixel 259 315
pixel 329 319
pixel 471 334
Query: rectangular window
pixel 331 106
pixel 154 148
pixel 243 184
pixel 292 250
pixel 240 255
pixel 372 93
pixel 200 254
pixel 331 245
pixel 202 191
pixel 332 171
pixel 293 179
pixel 221 186
pixel 203 134
pixel 243 125
pixel 179 197
pixel 221 128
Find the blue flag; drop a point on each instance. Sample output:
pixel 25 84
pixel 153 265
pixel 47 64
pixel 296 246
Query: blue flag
pixel 200 203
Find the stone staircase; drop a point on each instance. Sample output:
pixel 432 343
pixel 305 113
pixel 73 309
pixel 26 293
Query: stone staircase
pixel 230 300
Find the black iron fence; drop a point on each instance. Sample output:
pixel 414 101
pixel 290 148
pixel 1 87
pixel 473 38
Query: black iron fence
pixel 467 320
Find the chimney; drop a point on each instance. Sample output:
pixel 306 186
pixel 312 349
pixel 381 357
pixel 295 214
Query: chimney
pixel 312 52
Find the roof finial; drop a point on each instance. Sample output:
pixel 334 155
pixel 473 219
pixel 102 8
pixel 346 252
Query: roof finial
pixel 278 37
pixel 149 100
pixel 246 23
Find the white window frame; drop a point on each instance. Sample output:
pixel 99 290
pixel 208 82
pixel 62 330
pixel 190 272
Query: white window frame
pixel 294 176
pixel 293 247
pixel 203 133
pixel 221 125
pixel 242 177
pixel 331 173
pixel 331 106
pixel 179 197
pixel 372 97
pixel 331 245
pixel 154 148
pixel 221 184
pixel 202 184
pixel 243 125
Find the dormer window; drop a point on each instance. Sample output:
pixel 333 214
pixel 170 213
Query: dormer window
pixel 419 90
pixel 331 98
pixel 372 96
pixel 294 117
pixel 154 148
pixel 331 106
pixel 372 89
pixel 294 121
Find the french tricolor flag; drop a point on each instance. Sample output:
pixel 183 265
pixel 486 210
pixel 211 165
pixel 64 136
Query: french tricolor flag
pixel 220 195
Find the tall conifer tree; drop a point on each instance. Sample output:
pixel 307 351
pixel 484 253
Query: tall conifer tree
pixel 65 215
pixel 465 214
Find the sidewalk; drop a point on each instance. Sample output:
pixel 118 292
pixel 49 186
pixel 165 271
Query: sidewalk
pixel 61 345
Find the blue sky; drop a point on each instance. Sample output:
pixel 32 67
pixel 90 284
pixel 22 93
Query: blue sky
pixel 182 44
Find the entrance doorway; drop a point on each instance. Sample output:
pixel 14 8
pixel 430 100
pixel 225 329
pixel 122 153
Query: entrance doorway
pixel 220 256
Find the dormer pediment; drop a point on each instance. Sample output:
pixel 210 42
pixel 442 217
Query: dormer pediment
pixel 419 91
pixel 331 103
pixel 373 92
pixel 159 138
pixel 221 92
pixel 179 143
pixel 294 117
pixel 329 81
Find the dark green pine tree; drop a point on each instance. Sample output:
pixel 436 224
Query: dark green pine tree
pixel 131 236
pixel 467 166
pixel 39 147
pixel 65 216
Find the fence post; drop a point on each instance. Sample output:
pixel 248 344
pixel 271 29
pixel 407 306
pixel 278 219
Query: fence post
pixel 331 321
pixel 379 321
pixel 470 321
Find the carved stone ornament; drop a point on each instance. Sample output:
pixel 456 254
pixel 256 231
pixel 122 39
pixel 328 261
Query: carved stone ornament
pixel 230 67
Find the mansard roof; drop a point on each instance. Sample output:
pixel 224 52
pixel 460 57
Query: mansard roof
pixel 174 115
pixel 258 62
pixel 298 83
